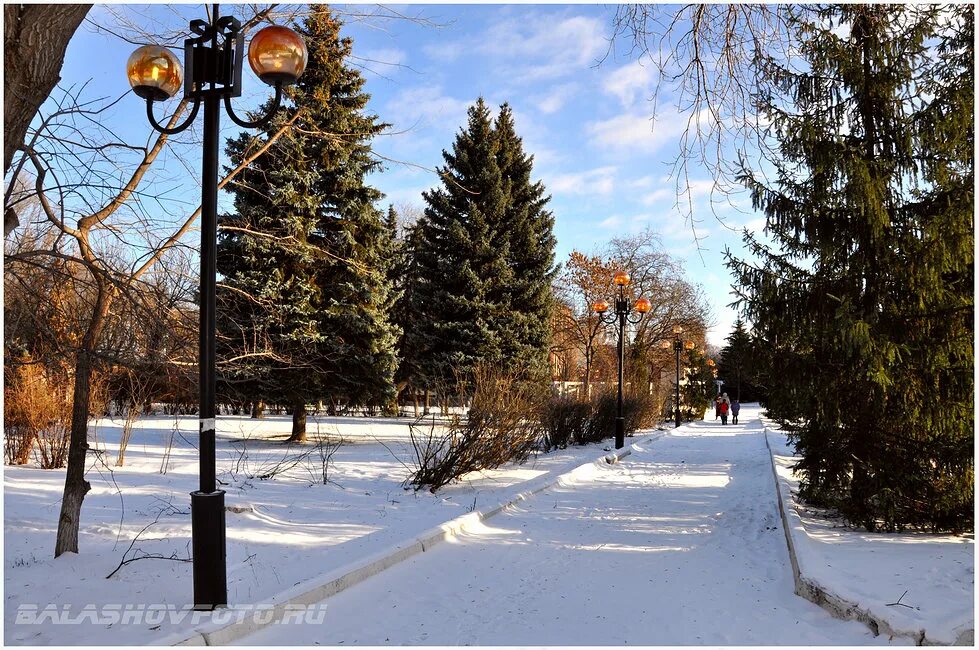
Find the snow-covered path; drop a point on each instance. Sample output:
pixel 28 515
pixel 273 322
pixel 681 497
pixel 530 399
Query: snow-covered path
pixel 680 543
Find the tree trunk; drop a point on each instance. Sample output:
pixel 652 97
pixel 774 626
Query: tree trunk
pixel 258 410
pixel 76 487
pixel 35 38
pixel 588 356
pixel 414 401
pixel 298 423
pixel 428 401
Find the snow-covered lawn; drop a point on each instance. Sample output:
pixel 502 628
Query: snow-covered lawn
pixel 289 529
pixel 680 543
pixel 931 576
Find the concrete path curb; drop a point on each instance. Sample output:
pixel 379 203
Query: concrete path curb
pixel 335 581
pixel 836 605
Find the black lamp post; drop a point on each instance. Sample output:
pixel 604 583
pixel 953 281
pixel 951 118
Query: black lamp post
pixel 214 60
pixel 678 345
pixel 621 315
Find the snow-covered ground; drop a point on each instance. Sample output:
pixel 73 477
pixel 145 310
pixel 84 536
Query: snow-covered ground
pixel 680 543
pixel 931 576
pixel 290 528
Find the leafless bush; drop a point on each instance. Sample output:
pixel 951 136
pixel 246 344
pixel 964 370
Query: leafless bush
pixel 503 426
pixel 565 421
pixel 320 463
pixel 572 422
pixel 137 397
pixel 276 460
pixel 37 412
pixel 168 448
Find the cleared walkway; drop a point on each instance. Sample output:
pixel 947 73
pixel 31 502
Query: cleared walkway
pixel 680 543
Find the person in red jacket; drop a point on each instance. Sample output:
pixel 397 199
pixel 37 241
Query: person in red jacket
pixel 724 410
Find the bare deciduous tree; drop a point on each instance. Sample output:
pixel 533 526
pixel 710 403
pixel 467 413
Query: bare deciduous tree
pixel 35 37
pixel 97 206
pixel 709 61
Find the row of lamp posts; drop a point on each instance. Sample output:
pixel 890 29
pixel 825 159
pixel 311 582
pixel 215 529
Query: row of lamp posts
pixel 619 316
pixel 213 60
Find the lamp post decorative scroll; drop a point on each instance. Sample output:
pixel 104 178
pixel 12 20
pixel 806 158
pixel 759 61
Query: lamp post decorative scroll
pixel 213 58
pixel 619 316
pixel 677 344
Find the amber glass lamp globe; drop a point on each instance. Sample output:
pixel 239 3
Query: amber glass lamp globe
pixel 621 278
pixel 277 55
pixel 710 362
pixel 643 306
pixel 600 306
pixel 688 345
pixel 678 329
pixel 154 72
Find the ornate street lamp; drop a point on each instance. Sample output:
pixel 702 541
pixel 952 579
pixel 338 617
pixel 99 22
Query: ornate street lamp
pixel 213 60
pixel 678 344
pixel 621 315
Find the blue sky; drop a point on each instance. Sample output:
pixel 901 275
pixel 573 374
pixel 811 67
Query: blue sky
pixel 586 120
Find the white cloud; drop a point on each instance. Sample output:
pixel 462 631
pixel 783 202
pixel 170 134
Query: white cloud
pixel 555 98
pixel 578 38
pixel 630 82
pixel 636 131
pixel 444 52
pixel 429 105
pixel 595 181
pixel 660 196
pixel 641 183
pixel 383 56
pixel 533 47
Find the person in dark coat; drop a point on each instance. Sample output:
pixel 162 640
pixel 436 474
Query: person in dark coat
pixel 735 409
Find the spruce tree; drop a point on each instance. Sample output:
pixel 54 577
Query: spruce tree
pixel 485 258
pixel 867 304
pixel 306 257
pixel 527 234
pixel 460 258
pixel 405 276
pixel 737 365
pixel 698 389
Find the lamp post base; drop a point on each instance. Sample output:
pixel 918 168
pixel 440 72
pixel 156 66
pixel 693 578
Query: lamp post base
pixel 210 575
pixel 619 432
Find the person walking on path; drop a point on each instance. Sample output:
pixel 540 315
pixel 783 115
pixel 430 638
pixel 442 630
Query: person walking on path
pixel 717 407
pixel 724 407
pixel 735 408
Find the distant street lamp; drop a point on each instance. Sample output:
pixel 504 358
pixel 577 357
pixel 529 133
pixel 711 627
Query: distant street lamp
pixel 621 315
pixel 713 370
pixel 213 59
pixel 678 344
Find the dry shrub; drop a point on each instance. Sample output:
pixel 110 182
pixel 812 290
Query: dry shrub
pixel 37 416
pixel 571 422
pixel 503 426
pixel 565 421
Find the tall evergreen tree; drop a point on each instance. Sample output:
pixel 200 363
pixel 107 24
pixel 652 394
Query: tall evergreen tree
pixel 485 257
pixel 737 365
pixel 457 261
pixel 404 314
pixel 306 257
pixel 699 389
pixel 527 235
pixel 868 304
